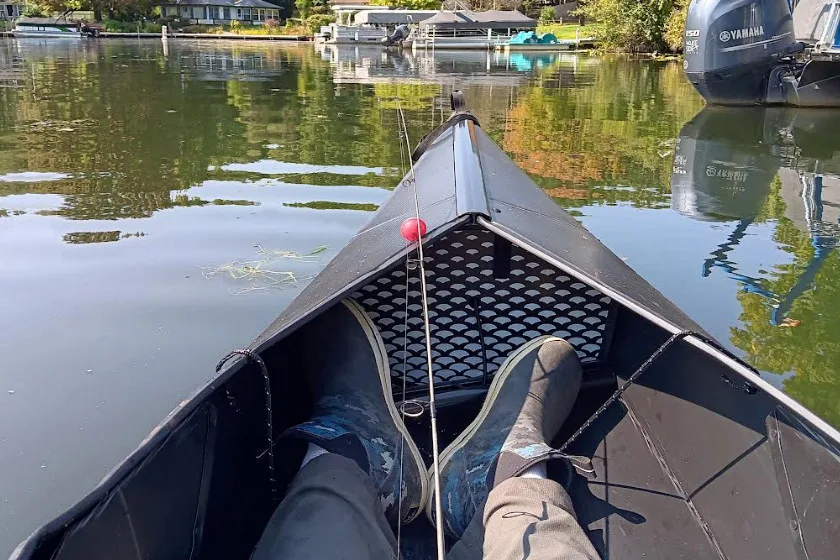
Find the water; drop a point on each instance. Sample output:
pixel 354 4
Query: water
pixel 148 194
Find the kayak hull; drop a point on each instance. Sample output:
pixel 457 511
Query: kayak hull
pixel 699 457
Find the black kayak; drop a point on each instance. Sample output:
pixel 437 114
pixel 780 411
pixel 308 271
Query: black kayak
pixel 694 454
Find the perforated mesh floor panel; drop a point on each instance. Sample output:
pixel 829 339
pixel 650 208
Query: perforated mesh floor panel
pixel 480 312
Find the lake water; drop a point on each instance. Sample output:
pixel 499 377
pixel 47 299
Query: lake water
pixel 160 206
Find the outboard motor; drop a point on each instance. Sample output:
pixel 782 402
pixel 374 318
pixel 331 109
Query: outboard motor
pixel 728 160
pixel 724 162
pixel 733 46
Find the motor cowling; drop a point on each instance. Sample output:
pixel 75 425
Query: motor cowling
pixel 732 46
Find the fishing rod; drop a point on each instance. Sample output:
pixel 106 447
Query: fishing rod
pixel 414 230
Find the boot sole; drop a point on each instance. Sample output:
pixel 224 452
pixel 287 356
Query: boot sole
pixel 502 374
pixel 381 355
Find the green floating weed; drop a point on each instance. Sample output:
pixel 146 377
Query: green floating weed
pixel 263 273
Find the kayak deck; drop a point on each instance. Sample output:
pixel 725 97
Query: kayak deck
pixel 486 298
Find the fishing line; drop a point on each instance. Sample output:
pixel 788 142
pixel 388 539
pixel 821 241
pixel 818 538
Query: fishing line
pixel 403 169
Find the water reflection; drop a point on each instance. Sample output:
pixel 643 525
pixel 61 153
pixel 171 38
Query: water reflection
pixel 120 131
pixel 778 168
pixel 116 129
pixel 77 237
pixel 728 163
pixel 374 65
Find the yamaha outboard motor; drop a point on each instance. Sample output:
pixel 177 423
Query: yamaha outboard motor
pixel 745 52
pixel 732 47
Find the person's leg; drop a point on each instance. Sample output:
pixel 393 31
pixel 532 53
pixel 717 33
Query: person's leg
pixel 493 475
pixel 354 414
pixel 533 518
pixel 525 518
pixel 362 471
pixel 330 511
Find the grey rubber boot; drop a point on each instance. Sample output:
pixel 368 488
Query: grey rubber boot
pixel 354 413
pixel 529 399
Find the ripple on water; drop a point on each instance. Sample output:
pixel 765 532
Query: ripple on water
pixel 274 167
pixel 33 177
pixel 57 125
